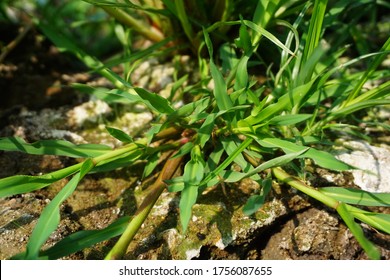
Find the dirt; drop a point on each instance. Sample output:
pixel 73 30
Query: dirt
pixel 35 81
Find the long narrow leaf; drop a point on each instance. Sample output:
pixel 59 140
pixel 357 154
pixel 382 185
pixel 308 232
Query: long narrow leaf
pixel 368 246
pixel 358 197
pixel 321 158
pixel 268 35
pixel 50 217
pixel 278 161
pixel 23 183
pixel 159 103
pixel 379 221
pixel 220 89
pixel 53 147
pixel 84 239
pixel 192 176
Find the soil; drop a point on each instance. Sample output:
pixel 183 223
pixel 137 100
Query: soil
pixel 35 81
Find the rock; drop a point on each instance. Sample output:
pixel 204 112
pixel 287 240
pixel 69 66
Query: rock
pixel 373 163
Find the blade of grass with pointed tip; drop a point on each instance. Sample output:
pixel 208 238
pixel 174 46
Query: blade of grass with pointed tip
pixel 192 176
pixel 220 89
pixel 52 147
pixel 379 221
pixel 50 217
pixel 268 35
pixel 232 176
pixel 23 183
pixel 205 131
pixel 84 239
pixel 356 196
pixel 314 33
pixel 289 119
pixel 151 164
pixel 368 246
pixel 321 158
pixel 119 134
pixel 103 94
pixel 159 103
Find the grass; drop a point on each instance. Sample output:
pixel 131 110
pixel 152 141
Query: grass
pixel 265 129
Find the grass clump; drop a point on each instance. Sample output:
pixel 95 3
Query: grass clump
pixel 266 129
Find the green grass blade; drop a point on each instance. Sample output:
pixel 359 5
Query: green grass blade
pixel 192 176
pixel 368 246
pixel 321 158
pixel 119 134
pixel 356 196
pixel 359 106
pixel 242 78
pixel 289 119
pixel 232 176
pixel 230 146
pixel 379 221
pixel 268 35
pixel 50 217
pixel 53 147
pixel 285 102
pixel 315 31
pixel 84 239
pixel 23 183
pixel 159 103
pixel 220 89
pixel 104 94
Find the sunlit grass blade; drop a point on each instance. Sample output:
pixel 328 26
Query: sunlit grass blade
pixel 368 246
pixel 356 196
pixel 159 103
pixel 232 176
pixel 151 100
pixel 53 147
pixel 268 35
pixel 322 158
pixel 285 102
pixel 50 217
pixel 314 33
pixel 119 134
pixel 220 89
pixel 107 161
pixel 84 239
pixel 230 146
pixel 374 97
pixel 192 176
pixel 289 119
pixel 151 164
pixel 23 183
pixel 379 221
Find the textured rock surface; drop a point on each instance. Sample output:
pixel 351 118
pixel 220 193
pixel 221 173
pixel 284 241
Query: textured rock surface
pixel 373 162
